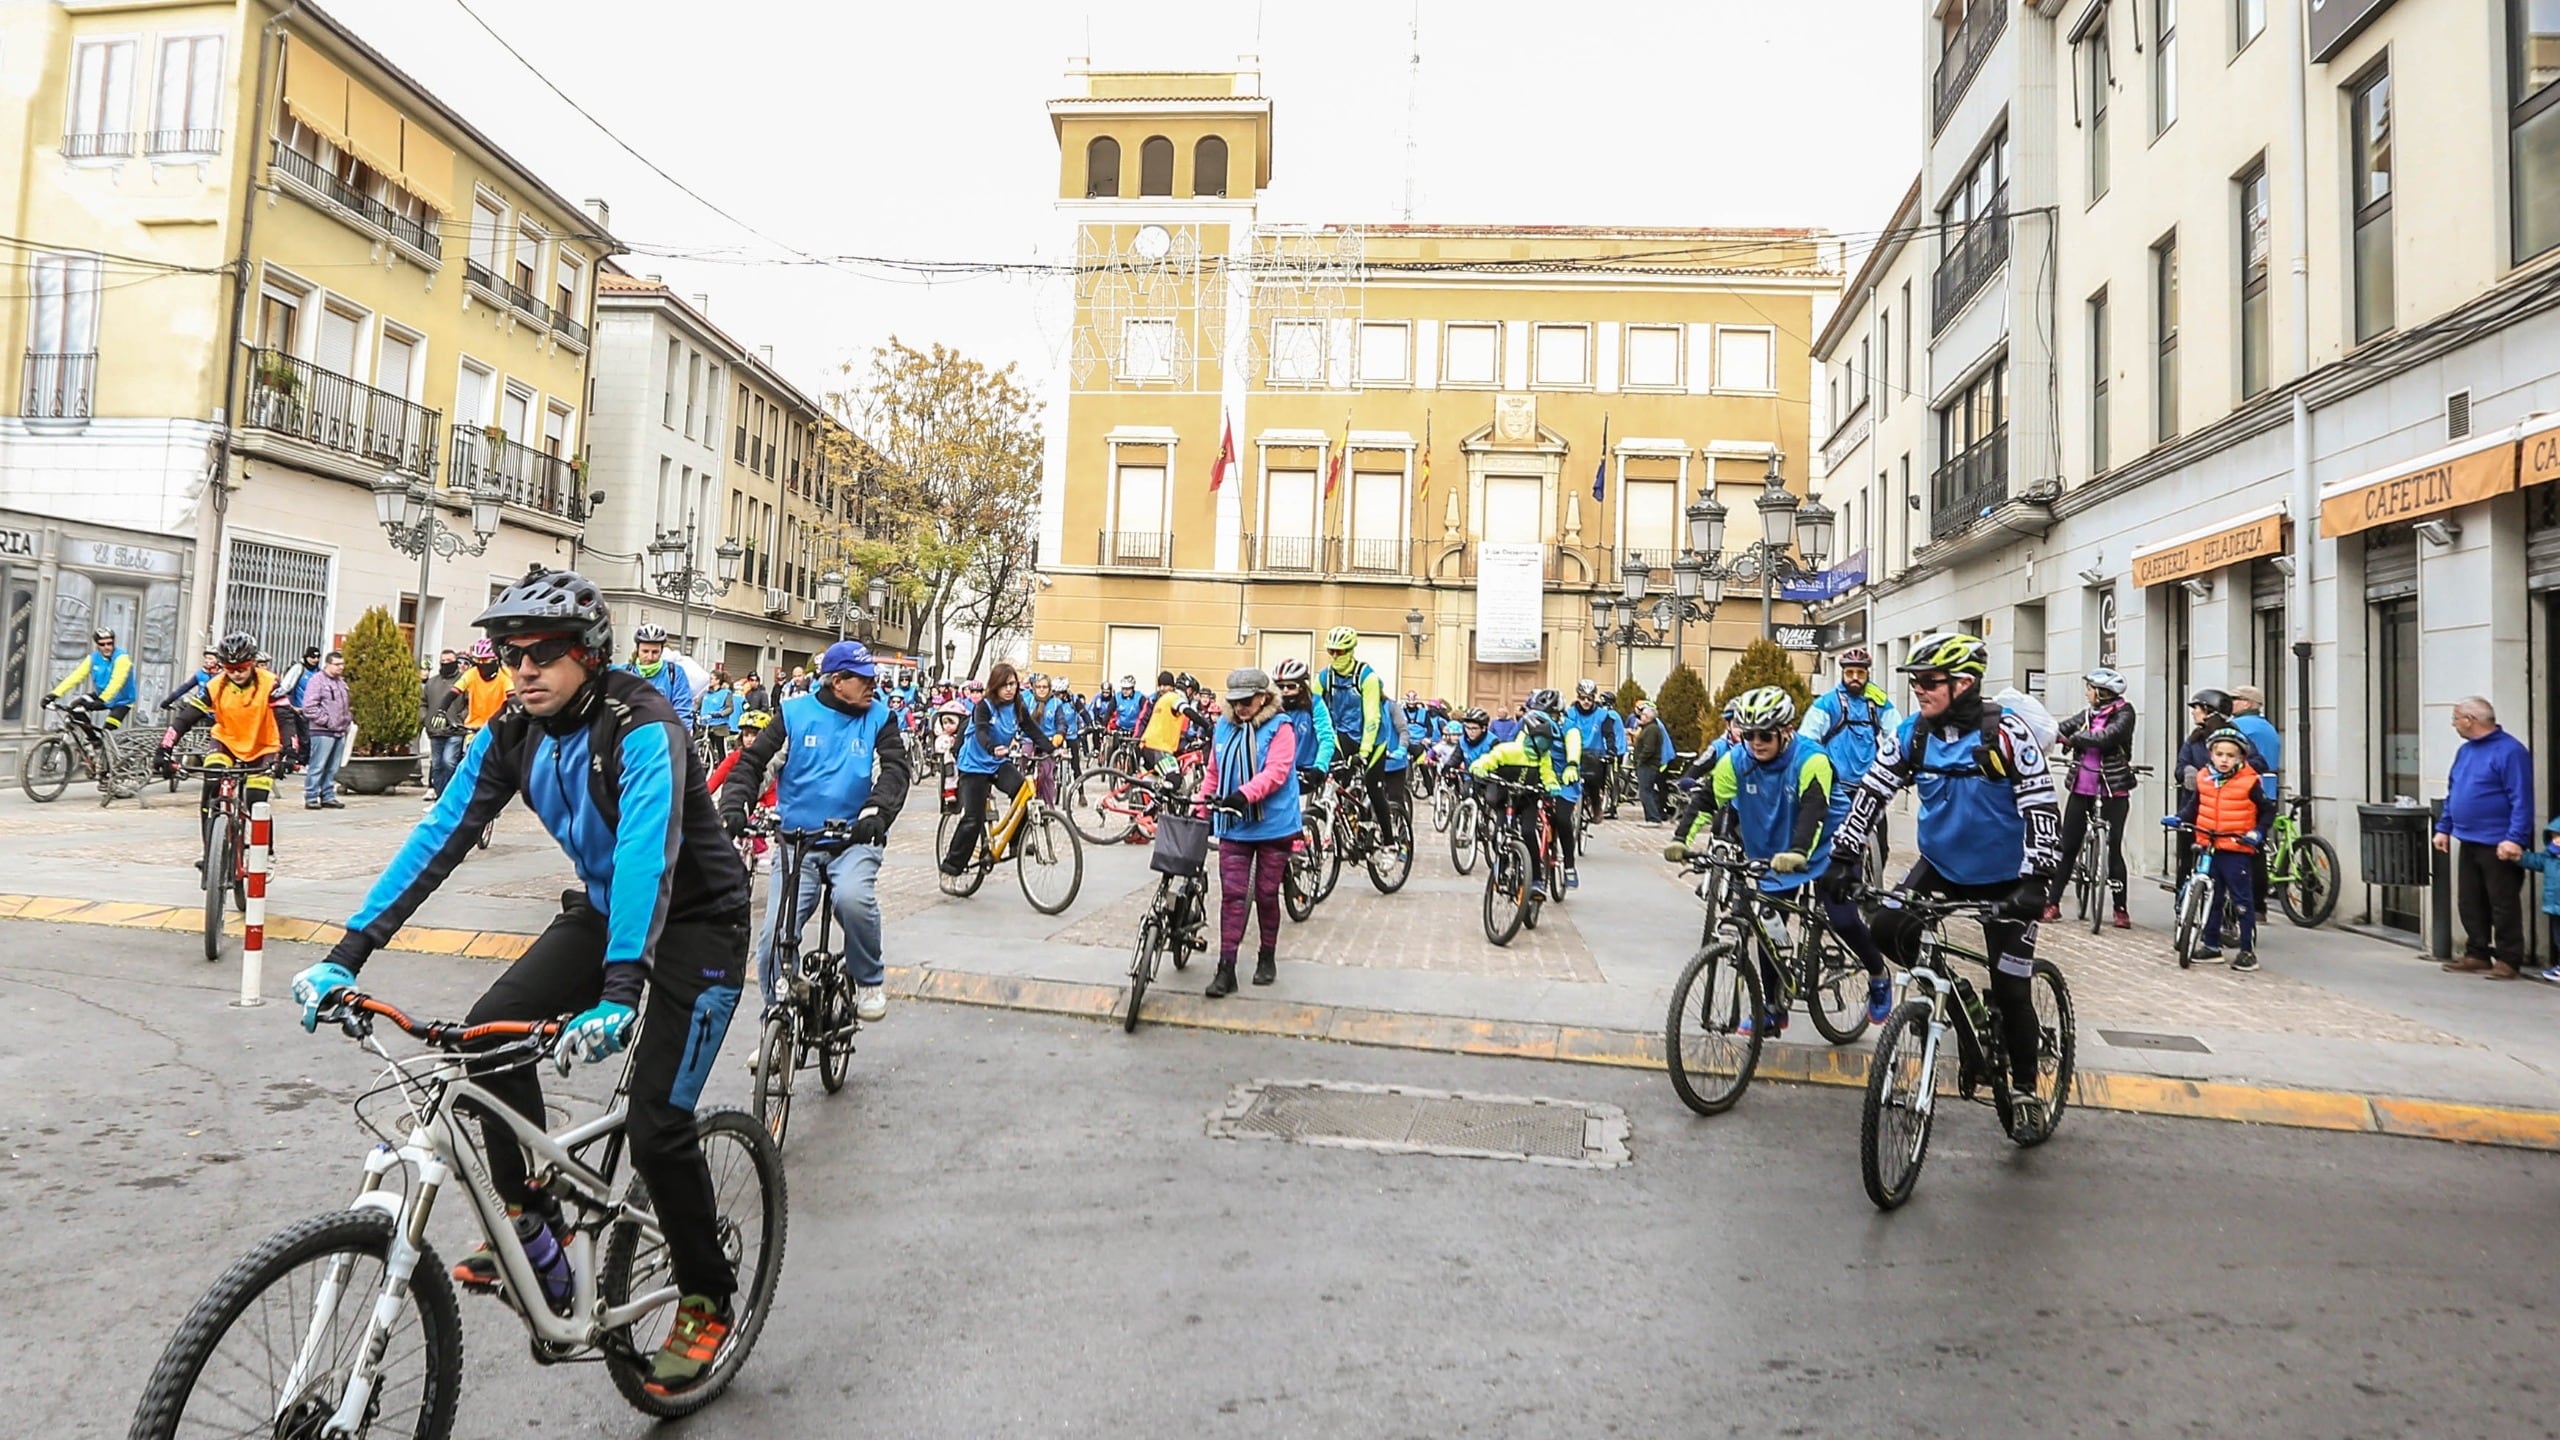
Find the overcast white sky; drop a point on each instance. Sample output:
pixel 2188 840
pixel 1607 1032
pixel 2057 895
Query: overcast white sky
pixel 918 130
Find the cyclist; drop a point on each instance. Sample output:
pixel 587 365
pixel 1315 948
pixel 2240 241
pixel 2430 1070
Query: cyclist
pixel 1989 829
pixel 1313 722
pixel 1367 731
pixel 443 710
pixel 206 669
pixel 1848 719
pixel 2209 710
pixel 1164 722
pixel 1777 798
pixel 750 725
pixel 1603 738
pixel 1059 716
pixel 999 719
pixel 245 708
pixel 649 661
pixel 847 762
pixel 718 712
pixel 2232 812
pixel 659 921
pixel 1126 707
pixel 109 672
pixel 2100 740
pixel 1544 750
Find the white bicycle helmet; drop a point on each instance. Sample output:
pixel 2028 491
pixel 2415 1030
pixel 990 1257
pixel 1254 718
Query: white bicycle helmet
pixel 1764 708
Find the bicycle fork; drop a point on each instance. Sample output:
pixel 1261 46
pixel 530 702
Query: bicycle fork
pixel 399 1266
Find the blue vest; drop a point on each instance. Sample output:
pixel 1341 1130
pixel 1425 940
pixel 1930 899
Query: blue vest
pixel 1316 739
pixel 1970 829
pixel 1125 708
pixel 1344 696
pixel 1057 715
pixel 102 678
pixel 975 757
pixel 1855 721
pixel 1599 727
pixel 1240 756
pixel 1764 801
pixel 1472 751
pixel 720 706
pixel 828 771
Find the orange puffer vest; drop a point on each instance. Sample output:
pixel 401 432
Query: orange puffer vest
pixel 2227 807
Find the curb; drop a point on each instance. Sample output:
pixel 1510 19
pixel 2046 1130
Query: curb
pixel 2300 1109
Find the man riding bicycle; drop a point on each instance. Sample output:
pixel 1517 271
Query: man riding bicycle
pixel 1849 719
pixel 245 708
pixel 1603 738
pixel 109 673
pixel 649 661
pixel 659 919
pixel 1989 827
pixel 1368 732
pixel 1548 755
pixel 847 761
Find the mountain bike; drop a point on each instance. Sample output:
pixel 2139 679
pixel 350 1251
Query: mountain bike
pixel 1745 943
pixel 1177 920
pixel 1513 893
pixel 1315 864
pixel 225 862
pixel 86 749
pixel 2192 932
pixel 1469 828
pixel 1048 858
pixel 2302 868
pixel 1444 798
pixel 814 1021
pixel 2093 893
pixel 346 1323
pixel 1386 853
pixel 1908 1074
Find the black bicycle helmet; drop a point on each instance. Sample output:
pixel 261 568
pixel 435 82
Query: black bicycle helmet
pixel 1538 725
pixel 1475 716
pixel 2216 701
pixel 549 603
pixel 1545 700
pixel 237 648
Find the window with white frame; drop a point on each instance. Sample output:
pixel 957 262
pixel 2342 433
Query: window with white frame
pixel 62 336
pixel 341 338
pixel 1386 356
pixel 1146 350
pixel 1297 352
pixel 555 431
pixel 1514 507
pixel 528 262
pixel 1651 532
pixel 1474 353
pixel 1560 355
pixel 488 238
pixel 471 386
pixel 1376 522
pixel 395 363
pixel 1137 515
pixel 1653 357
pixel 1745 359
pixel 571 271
pixel 1289 531
pixel 100 122
pixel 186 113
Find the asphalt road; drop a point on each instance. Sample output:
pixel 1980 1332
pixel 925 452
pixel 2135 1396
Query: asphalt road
pixel 1018 1225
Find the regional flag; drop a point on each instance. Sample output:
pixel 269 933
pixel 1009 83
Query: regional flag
pixel 1333 470
pixel 1600 472
pixel 1422 487
pixel 1226 454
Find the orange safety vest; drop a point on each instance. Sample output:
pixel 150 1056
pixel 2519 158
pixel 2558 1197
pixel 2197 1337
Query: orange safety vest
pixel 2227 806
pixel 243 716
pixel 486 697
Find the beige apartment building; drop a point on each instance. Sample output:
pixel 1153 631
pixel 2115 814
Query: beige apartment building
pixel 187 457
pixel 1453 438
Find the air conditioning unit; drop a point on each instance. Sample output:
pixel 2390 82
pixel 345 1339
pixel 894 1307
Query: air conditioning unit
pixel 777 601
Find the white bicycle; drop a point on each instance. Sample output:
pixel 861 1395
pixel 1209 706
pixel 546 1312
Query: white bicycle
pixel 345 1324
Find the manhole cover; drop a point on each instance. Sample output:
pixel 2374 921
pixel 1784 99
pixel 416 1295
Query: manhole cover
pixel 2153 1040
pixel 1395 1120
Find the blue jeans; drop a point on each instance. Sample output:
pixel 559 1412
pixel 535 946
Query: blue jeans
pixel 443 758
pixel 855 873
pixel 320 782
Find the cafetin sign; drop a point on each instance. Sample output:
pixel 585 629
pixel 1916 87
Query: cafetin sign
pixel 2233 542
pixel 2443 481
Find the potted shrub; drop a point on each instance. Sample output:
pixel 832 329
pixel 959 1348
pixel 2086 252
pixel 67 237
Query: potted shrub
pixel 382 696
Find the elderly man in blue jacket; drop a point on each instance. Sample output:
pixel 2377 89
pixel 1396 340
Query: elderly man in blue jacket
pixel 2488 806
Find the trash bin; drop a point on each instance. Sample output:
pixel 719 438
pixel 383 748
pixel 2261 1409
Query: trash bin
pixel 2394 843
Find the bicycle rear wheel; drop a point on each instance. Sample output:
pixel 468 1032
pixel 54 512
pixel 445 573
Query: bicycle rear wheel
pixel 835 1043
pixel 2312 893
pixel 1298 881
pixel 1835 988
pixel 1710 1053
pixel 753 1210
pixel 234 1350
pixel 1049 860
pixel 2056 1050
pixel 1506 890
pixel 1893 1129
pixel 1463 836
pixel 1142 967
pixel 219 863
pixel 777 1062
pixel 1099 809
pixel 1390 863
pixel 973 874
pixel 48 769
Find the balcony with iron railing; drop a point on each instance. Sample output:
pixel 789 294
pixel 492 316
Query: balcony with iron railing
pixel 528 302
pixel 1369 555
pixel 1134 549
pixel 522 476
pixel 1971 261
pixel 295 398
pixel 58 387
pixel 1969 486
pixel 316 182
pixel 182 142
pixel 97 144
pixel 567 328
pixel 1291 554
pixel 1963 56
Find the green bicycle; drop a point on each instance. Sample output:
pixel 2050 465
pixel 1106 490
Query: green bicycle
pixel 2302 868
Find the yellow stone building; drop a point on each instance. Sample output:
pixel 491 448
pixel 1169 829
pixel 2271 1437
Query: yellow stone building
pixel 1409 405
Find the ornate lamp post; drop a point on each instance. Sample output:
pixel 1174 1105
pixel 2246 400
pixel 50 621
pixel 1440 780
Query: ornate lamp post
pixel 833 600
pixel 1696 591
pixel 414 523
pixel 1795 540
pixel 673 574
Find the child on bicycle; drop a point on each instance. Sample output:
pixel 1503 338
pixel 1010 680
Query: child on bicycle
pixel 2547 860
pixel 1548 754
pixel 2230 810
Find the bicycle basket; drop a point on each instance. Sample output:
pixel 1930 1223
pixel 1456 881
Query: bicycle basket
pixel 1182 845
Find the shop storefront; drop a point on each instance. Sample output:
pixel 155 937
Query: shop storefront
pixel 61 581
pixel 2216 596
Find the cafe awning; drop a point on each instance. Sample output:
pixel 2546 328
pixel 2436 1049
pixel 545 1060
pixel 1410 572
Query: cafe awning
pixel 2480 468
pixel 2225 542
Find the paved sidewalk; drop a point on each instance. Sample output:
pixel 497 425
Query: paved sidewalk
pixel 2330 1011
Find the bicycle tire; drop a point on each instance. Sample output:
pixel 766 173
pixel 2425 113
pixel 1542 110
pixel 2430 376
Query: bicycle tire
pixel 2311 896
pixel 1298 880
pixel 1464 839
pixel 1194 917
pixel 777 1058
pixel 218 864
pixel 972 875
pixel 1089 809
pixel 362 1234
pixel 1444 808
pixel 1328 863
pixel 1712 1062
pixel 1045 845
pixel 725 1134
pixel 835 1043
pixel 1506 905
pixel 48 769
pixel 1831 976
pixel 1390 861
pixel 1142 967
pixel 2192 902
pixel 2057 1051
pixel 1890 1164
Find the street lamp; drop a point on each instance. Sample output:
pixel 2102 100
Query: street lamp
pixel 1795 540
pixel 414 523
pixel 1413 623
pixel 673 574
pixel 833 600
pixel 1695 593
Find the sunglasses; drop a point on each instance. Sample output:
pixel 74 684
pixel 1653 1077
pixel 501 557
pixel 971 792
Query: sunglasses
pixel 1932 682
pixel 545 651
pixel 1763 736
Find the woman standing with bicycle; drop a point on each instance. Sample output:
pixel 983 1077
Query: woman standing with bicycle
pixel 1253 778
pixel 2100 740
pixel 998 719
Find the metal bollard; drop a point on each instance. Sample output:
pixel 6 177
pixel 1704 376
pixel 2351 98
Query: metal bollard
pixel 2439 889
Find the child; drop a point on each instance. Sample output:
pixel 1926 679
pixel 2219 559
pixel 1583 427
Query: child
pixel 2230 811
pixel 2547 860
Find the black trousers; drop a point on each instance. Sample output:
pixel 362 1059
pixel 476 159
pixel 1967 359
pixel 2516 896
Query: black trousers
pixel 1524 819
pixel 693 990
pixel 1386 795
pixel 972 825
pixel 2490 893
pixel 2110 812
pixel 1649 790
pixel 2011 945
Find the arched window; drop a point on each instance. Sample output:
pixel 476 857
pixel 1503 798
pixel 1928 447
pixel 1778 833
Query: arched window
pixel 1155 166
pixel 1102 167
pixel 1209 166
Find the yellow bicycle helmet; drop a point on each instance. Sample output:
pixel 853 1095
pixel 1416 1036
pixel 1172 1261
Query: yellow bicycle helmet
pixel 1950 652
pixel 754 720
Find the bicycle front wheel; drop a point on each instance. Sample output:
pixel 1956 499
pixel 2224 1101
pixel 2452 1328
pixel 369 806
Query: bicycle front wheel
pixel 309 1289
pixel 1299 880
pixel 1712 1041
pixel 1506 891
pixel 48 768
pixel 752 1221
pixel 2312 892
pixel 2194 899
pixel 1142 967
pixel 219 862
pixel 1390 862
pixel 1444 807
pixel 1463 837
pixel 1328 871
pixel 1893 1130
pixel 1049 860
pixel 777 1060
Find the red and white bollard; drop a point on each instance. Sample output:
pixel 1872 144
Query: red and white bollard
pixel 253 917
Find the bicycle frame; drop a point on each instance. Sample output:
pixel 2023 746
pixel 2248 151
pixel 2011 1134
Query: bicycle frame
pixel 1932 975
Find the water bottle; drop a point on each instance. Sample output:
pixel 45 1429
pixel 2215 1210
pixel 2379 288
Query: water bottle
pixel 1976 1011
pixel 550 1263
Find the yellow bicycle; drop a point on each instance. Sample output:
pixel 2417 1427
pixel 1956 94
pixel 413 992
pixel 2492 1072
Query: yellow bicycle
pixel 1035 835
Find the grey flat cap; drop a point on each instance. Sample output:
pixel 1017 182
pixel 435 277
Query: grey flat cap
pixel 1248 682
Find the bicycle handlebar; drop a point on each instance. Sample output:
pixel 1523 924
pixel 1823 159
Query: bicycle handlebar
pixel 355 1009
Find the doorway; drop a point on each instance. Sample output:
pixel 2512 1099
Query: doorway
pixel 2396 722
